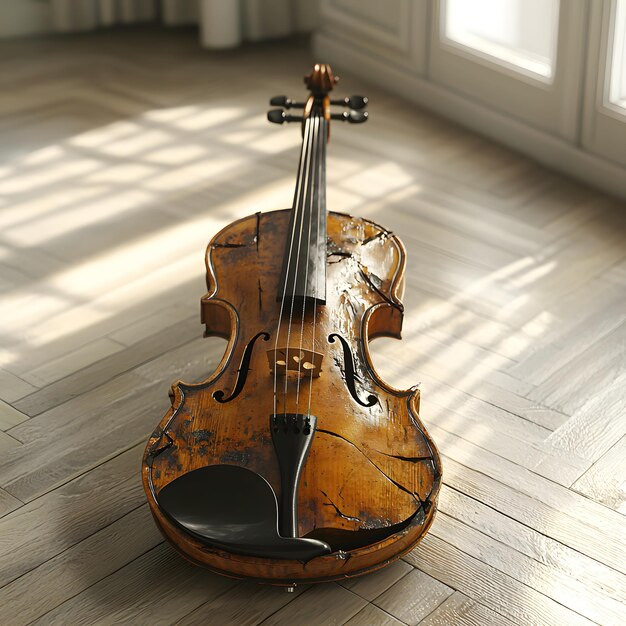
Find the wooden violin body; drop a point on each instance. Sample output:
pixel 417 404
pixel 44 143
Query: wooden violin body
pixel 361 486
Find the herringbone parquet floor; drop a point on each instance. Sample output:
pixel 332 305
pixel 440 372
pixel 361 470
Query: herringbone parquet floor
pixel 122 153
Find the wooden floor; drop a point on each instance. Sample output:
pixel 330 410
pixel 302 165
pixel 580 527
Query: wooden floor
pixel 121 155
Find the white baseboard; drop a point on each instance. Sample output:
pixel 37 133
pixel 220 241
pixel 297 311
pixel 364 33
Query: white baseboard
pixel 549 150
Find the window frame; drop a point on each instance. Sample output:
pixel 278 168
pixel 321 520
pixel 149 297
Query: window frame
pixel 604 123
pixel 553 106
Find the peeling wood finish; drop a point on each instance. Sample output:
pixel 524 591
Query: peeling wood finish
pixel 371 466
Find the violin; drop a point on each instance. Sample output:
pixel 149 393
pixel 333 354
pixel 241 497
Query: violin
pixel 294 462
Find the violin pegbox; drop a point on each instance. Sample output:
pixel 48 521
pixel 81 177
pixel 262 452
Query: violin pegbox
pixel 320 82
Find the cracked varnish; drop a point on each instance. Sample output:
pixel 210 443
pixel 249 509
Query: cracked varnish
pixel 371 466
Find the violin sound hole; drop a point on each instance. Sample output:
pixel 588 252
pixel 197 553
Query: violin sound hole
pixel 244 368
pixel 350 373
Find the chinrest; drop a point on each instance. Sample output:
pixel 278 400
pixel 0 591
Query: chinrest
pixel 234 509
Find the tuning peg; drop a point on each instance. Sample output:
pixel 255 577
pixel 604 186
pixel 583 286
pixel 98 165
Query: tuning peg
pixel 285 102
pixel 278 116
pixel 354 117
pixel 354 102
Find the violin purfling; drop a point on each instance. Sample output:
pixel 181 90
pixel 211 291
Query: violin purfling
pixel 294 461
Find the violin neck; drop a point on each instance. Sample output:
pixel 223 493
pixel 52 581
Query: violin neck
pixel 304 261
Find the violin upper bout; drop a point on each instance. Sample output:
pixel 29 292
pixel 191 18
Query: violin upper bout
pixel 218 317
pixel 384 320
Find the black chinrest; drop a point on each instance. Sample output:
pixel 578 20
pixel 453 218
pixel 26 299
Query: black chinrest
pixel 234 509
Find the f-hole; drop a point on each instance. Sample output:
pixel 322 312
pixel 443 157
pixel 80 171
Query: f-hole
pixel 244 368
pixel 350 374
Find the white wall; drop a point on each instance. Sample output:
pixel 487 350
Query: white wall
pixel 24 17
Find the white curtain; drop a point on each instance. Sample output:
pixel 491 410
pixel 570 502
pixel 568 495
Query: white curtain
pixel 223 23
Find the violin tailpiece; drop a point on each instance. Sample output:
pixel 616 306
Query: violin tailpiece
pixel 292 434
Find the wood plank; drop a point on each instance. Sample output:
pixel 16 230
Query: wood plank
pixel 79 567
pixel 567 390
pixel 246 604
pixel 550 581
pixel 460 610
pixel 132 404
pixel 413 597
pixel 573 329
pixel 102 371
pixel 529 483
pixel 604 480
pixel 372 585
pixel 9 444
pixel 160 323
pixel 42 529
pixel 555 515
pixel 370 615
pixel 13 387
pixel 450 318
pixel 10 416
pixel 170 589
pixel 68 364
pixel 8 503
pixel 486 585
pixel 321 605
pixel 563 564
pixel 551 463
pixel 596 426
pixel 444 395
pixel 426 233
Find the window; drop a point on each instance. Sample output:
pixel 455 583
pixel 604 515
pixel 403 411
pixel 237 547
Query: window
pixel 617 79
pixel 520 57
pixel 520 34
pixel 604 115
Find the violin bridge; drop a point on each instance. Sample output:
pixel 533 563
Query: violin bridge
pixel 299 360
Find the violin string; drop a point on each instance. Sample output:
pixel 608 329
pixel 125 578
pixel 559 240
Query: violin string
pixel 309 201
pixel 293 232
pixel 303 193
pixel 321 187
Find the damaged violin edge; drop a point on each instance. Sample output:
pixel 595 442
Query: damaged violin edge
pixel 294 462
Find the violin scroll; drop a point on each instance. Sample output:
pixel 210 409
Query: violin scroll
pixel 320 81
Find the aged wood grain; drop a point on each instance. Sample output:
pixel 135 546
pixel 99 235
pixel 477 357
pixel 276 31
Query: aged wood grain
pixel 376 484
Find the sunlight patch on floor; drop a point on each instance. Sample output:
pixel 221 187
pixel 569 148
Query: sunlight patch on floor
pixel 102 135
pixel 194 173
pixel 72 168
pixel 144 139
pixel 87 213
pixel 176 155
pixel 207 118
pixel 34 208
pixel 377 181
